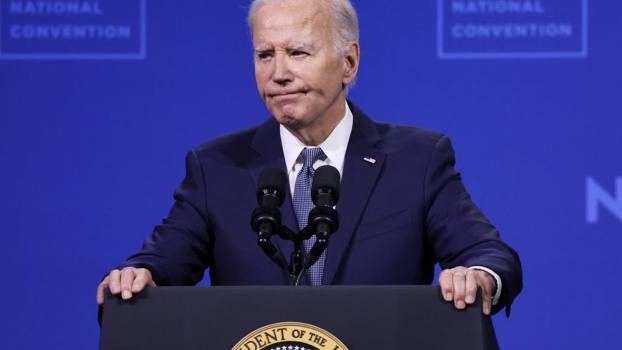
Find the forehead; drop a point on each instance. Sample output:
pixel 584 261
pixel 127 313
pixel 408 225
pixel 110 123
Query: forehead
pixel 290 22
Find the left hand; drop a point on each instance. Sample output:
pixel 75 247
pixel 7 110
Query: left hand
pixel 460 286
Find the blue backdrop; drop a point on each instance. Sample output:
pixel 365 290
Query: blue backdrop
pixel 99 101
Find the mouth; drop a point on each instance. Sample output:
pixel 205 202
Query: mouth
pixel 287 97
pixel 286 94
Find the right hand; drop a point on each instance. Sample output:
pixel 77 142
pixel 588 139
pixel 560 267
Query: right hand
pixel 127 282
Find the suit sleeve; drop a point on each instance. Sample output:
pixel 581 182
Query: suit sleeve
pixel 459 232
pixel 178 250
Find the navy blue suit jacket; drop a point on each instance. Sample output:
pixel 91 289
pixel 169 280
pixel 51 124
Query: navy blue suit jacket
pixel 398 217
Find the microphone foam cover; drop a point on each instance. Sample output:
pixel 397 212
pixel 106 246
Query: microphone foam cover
pixel 326 177
pixel 272 178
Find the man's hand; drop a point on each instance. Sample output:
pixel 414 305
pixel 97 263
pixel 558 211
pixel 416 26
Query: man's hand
pixel 460 286
pixel 126 282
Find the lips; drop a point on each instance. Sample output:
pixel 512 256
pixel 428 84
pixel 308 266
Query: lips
pixel 285 94
pixel 285 98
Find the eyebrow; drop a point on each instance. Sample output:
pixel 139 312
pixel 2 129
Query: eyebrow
pixel 290 47
pixel 263 48
pixel 297 46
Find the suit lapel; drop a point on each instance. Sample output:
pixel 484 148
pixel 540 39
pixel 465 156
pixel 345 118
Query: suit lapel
pixel 363 164
pixel 267 143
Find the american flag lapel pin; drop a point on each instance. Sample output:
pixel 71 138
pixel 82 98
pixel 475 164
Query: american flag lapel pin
pixel 370 160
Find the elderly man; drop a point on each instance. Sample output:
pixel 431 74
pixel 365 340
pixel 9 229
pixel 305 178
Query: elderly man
pixel 403 207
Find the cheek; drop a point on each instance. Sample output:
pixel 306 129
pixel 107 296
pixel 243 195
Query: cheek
pixel 261 77
pixel 328 77
pixel 260 82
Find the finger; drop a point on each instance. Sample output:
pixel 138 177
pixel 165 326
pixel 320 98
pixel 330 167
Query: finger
pixel 151 282
pixel 100 290
pixel 127 278
pixel 445 280
pixel 114 282
pixel 143 278
pixel 487 304
pixel 486 283
pixel 470 286
pixel 459 288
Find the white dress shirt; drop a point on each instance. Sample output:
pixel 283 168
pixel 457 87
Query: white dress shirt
pixel 334 147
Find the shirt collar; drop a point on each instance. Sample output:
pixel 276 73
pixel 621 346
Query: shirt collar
pixel 334 147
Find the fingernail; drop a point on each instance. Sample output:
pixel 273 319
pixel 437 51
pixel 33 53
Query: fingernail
pixel 470 299
pixel 461 304
pixel 126 294
pixel 449 296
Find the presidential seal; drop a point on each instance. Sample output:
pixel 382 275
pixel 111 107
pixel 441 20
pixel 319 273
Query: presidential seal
pixel 290 336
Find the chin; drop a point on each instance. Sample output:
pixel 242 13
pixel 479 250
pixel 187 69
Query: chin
pixel 287 120
pixel 287 116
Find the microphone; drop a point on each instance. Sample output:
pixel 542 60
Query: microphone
pixel 325 187
pixel 271 187
pixel 323 219
pixel 266 219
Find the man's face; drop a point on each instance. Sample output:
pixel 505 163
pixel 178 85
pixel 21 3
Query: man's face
pixel 299 75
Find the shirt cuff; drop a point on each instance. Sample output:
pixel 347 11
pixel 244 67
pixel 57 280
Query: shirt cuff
pixel 495 298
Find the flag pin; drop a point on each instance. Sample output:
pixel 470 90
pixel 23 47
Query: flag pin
pixel 370 160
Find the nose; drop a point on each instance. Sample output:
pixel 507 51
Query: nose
pixel 281 74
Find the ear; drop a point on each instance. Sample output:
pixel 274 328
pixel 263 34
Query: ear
pixel 352 58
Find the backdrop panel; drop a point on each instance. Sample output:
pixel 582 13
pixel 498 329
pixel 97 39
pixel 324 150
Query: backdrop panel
pixel 99 103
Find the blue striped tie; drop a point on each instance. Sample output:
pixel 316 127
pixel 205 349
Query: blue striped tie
pixel 303 205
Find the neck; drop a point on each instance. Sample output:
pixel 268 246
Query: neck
pixel 316 133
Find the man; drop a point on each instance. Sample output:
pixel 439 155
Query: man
pixel 403 207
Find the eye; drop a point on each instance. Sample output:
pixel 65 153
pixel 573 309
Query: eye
pixel 264 55
pixel 299 53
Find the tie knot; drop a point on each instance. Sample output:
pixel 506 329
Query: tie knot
pixel 310 155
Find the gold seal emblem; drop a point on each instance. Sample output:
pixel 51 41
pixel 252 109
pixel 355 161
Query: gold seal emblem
pixel 290 336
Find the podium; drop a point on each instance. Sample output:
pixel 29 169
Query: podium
pixel 360 317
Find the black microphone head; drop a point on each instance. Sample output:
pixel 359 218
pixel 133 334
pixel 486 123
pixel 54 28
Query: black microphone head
pixel 274 180
pixel 326 178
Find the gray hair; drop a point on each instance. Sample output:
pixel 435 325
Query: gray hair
pixel 345 21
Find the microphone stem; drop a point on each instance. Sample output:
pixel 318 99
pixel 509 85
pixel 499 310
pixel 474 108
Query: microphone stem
pixel 297 280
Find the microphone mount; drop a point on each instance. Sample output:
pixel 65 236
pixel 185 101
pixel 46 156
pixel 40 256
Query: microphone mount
pixel 323 219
